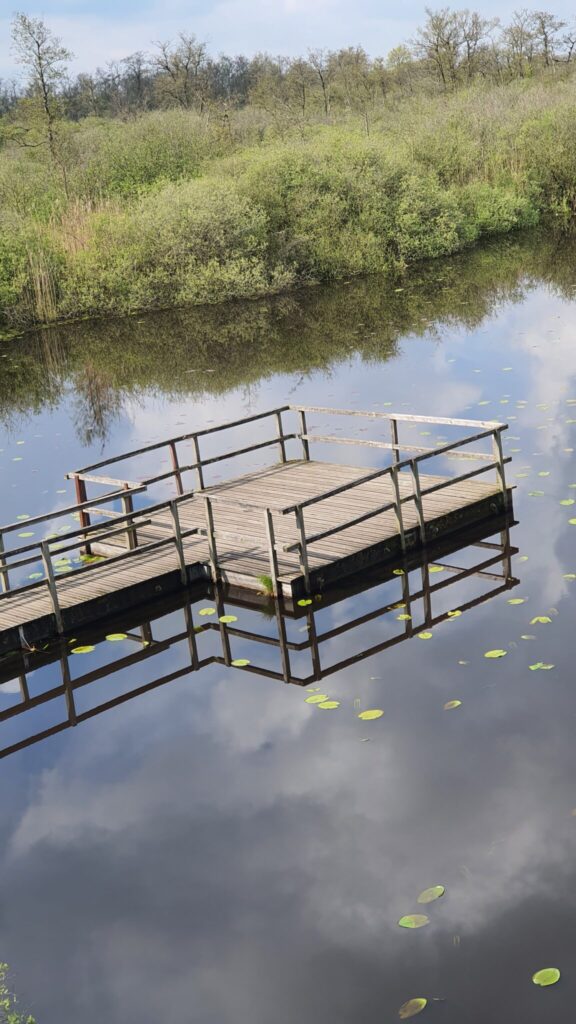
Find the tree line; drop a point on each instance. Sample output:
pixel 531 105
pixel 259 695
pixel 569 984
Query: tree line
pixel 451 49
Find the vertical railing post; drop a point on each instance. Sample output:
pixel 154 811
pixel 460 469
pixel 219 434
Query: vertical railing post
pixel 272 553
pixel 176 467
pixel 4 577
pixel 81 497
pixel 304 564
pixel 302 435
pixel 51 581
pixel 394 433
pixel 398 508
pixel 199 470
pixel 280 432
pixel 499 457
pixel 128 508
pixel 178 541
pixel 418 500
pixel 68 685
pixel 211 538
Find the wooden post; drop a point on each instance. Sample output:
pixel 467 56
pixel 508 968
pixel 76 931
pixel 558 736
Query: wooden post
pixel 303 431
pixel 304 566
pixel 80 487
pixel 398 508
pixel 199 471
pixel 272 553
pixel 499 457
pixel 3 570
pixel 176 468
pixel 128 509
pixel 314 645
pixel 178 542
pixel 192 644
pixel 394 433
pixel 418 500
pixel 280 431
pixel 211 539
pixel 51 581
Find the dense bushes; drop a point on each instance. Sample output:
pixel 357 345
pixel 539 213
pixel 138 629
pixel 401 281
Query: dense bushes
pixel 171 209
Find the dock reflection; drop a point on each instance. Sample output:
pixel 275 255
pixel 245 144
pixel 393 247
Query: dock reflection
pixel 423 590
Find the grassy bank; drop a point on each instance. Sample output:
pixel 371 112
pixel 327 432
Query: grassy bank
pixel 175 208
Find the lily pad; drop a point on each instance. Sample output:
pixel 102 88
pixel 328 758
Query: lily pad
pixel 431 894
pixel 304 601
pixel 317 698
pixel 568 501
pixel 516 600
pixel 424 636
pixel 414 921
pixel 412 1007
pixel 241 662
pixel 498 653
pixel 228 618
pixel 116 637
pixel 328 705
pixel 368 716
pixel 546 976
pixel 455 613
pixel 86 649
pixel 451 704
pixel 207 611
pixel 543 619
pixel 540 665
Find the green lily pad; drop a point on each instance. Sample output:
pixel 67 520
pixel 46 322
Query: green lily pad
pixel 317 698
pixel 547 976
pixel 516 600
pixel 241 662
pixel 228 618
pixel 498 653
pixel 543 619
pixel 451 704
pixel 369 716
pixel 328 705
pixel 455 613
pixel 412 1007
pixel 540 665
pixel 431 894
pixel 414 921
pixel 424 636
pixel 304 601
pixel 86 649
pixel 207 611
pixel 116 637
pixel 568 501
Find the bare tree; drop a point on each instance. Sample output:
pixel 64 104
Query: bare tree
pixel 182 72
pixel 45 58
pixel 546 27
pixel 320 60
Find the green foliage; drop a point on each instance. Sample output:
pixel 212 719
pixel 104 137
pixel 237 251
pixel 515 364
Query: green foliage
pixel 179 208
pixel 8 1012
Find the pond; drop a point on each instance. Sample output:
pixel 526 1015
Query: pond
pixel 214 847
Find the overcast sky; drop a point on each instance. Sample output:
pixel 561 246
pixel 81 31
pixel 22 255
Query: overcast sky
pixel 101 30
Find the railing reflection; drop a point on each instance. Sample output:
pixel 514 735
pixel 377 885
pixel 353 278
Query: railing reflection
pixel 418 590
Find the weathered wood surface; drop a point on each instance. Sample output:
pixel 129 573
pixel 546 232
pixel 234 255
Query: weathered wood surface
pixel 242 540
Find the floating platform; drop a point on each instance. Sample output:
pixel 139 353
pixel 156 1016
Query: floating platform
pixel 291 528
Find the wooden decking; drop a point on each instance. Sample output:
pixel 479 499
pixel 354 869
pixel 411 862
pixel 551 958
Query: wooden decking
pixel 302 524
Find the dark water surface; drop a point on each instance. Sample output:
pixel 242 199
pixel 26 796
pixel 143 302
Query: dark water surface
pixel 218 851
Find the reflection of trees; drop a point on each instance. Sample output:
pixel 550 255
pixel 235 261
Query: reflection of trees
pixel 97 403
pixel 210 350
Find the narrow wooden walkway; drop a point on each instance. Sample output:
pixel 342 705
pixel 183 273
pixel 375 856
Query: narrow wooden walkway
pixel 299 525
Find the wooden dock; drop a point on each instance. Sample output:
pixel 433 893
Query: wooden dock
pixel 293 527
pixel 474 570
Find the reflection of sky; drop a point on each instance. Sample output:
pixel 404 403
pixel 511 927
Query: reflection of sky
pixel 218 851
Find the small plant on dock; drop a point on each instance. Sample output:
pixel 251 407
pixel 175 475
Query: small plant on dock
pixel 267 585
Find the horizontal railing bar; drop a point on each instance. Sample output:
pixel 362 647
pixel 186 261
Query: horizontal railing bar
pixel 464 476
pixel 82 506
pixel 388 471
pixel 218 458
pixel 65 547
pixel 125 484
pixel 182 437
pixel 330 439
pixel 352 522
pixel 446 421
pixel 108 560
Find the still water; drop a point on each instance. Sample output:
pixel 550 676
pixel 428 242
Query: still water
pixel 215 849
